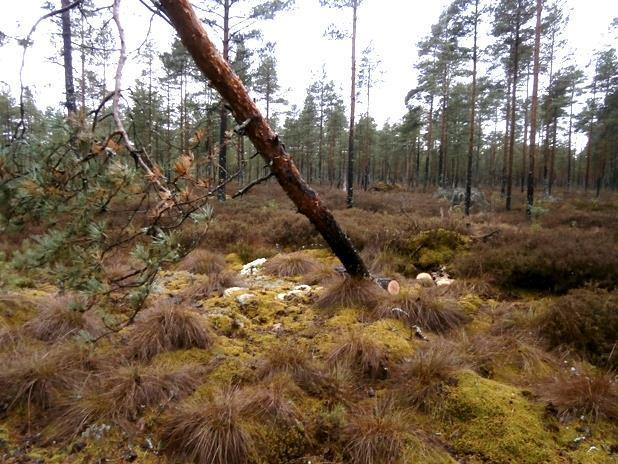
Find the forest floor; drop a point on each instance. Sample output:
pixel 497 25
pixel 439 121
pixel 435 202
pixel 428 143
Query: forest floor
pixel 507 354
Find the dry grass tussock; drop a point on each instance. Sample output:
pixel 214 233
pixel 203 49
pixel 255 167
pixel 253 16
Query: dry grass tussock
pixel 60 317
pixel 375 434
pixel 296 362
pixel 135 387
pixel 210 431
pixel 291 265
pixel 208 286
pixel 167 327
pixel 273 400
pixel 352 293
pixel 120 395
pixel 202 261
pixel 488 353
pixel 420 381
pixel 361 354
pixel 322 274
pixel 38 377
pixel 421 308
pixel 592 394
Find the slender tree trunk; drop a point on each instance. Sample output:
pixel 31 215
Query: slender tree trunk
pixel 350 183
pixel 524 151
pixel 223 110
pixel 550 109
pixel 569 148
pixel 67 56
pixel 266 142
pixel 442 154
pixel 472 113
pixel 534 110
pixel 507 127
pixel 590 131
pixel 552 157
pixel 321 135
pixel 509 174
pixel 429 145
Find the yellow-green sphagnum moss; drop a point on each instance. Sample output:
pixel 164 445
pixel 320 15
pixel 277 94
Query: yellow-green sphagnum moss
pixel 492 422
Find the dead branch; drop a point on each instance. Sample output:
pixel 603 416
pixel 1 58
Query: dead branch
pixel 259 181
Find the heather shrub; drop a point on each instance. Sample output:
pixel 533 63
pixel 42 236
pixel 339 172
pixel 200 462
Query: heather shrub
pixel 544 260
pixel 202 261
pixel 432 249
pixel 584 321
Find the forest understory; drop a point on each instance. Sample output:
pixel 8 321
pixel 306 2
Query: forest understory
pixel 503 352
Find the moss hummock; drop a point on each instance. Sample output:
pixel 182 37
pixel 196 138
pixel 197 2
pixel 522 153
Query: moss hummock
pixel 492 422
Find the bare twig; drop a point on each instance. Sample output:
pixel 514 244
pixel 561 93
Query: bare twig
pixel 248 187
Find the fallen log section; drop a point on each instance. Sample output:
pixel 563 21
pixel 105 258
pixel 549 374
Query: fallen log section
pixel 251 123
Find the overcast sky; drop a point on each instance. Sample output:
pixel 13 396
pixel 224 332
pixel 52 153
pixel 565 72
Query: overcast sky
pixel 393 26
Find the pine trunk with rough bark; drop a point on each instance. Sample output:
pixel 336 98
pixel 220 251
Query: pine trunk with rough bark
pixel 513 120
pixel 67 56
pixel 350 178
pixel 223 110
pixel 534 110
pixel 472 113
pixel 267 143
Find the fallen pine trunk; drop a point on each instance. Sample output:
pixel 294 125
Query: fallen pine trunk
pixel 254 125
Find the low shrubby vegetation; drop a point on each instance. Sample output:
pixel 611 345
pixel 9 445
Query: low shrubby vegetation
pixel 512 361
pixel 584 321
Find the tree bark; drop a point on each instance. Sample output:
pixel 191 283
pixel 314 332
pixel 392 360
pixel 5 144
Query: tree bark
pixel 223 110
pixel 534 110
pixel 472 113
pixel 266 142
pixel 570 150
pixel 350 182
pixel 429 145
pixel 67 55
pixel 509 173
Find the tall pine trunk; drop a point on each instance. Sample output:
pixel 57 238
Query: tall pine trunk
pixel 569 148
pixel 472 112
pixel 350 177
pixel 67 56
pixel 509 173
pixel 223 110
pixel 534 110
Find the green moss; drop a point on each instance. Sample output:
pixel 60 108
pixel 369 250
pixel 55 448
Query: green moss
pixel 471 303
pixel 180 358
pixel 492 422
pixel 417 451
pixel 344 318
pixel 595 445
pixel 394 335
pixel 234 261
pixel 280 445
pixel 16 308
pixel 434 248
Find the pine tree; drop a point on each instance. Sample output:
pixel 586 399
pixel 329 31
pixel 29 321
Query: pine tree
pixel 353 5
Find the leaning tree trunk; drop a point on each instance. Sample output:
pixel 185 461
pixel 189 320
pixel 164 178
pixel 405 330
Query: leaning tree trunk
pixel 266 142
